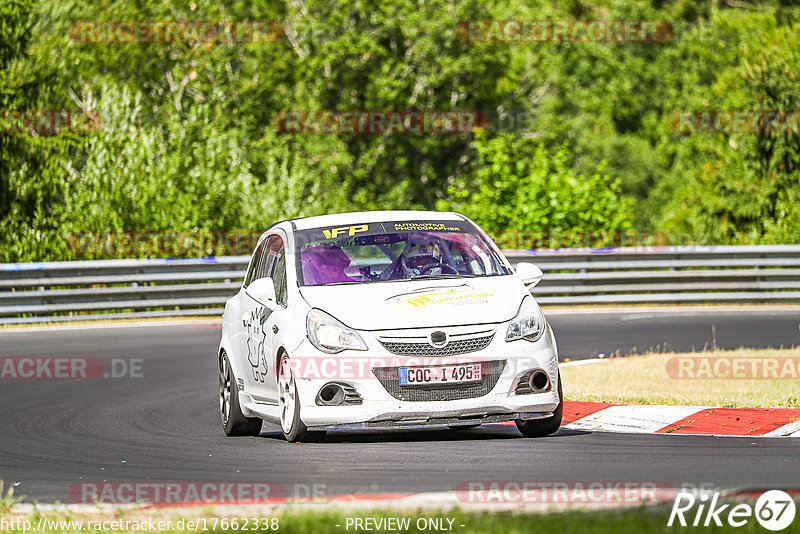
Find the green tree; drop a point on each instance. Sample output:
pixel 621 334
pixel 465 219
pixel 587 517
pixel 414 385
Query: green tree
pixel 519 185
pixel 745 185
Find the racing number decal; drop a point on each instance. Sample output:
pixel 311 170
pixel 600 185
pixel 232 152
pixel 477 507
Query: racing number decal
pixel 350 230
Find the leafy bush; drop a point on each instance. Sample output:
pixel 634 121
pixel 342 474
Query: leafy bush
pixel 744 186
pixel 519 185
pixel 190 143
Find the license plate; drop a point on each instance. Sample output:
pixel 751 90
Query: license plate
pixel 440 374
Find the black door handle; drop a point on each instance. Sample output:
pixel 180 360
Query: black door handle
pixel 274 329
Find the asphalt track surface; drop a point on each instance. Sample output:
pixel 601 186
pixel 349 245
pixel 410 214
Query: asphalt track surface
pixel 164 426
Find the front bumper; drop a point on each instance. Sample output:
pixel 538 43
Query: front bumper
pixel 437 421
pixel 380 409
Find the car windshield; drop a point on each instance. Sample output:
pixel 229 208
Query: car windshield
pixel 373 252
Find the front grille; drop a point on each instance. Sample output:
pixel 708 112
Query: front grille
pixel 461 346
pixel 389 377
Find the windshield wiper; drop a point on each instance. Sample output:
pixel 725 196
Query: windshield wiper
pixel 424 276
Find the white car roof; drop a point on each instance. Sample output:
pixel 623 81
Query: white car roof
pixel 344 219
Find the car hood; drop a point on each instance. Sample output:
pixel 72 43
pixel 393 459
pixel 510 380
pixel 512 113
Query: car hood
pixel 421 303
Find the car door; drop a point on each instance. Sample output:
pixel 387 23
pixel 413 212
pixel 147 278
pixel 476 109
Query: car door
pixel 254 331
pixel 275 321
pixel 260 323
pixel 239 303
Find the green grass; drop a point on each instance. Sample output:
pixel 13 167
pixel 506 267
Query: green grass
pixel 89 321
pixel 633 521
pixel 646 379
pixel 629 521
pixel 7 499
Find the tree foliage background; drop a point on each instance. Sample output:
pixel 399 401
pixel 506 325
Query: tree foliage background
pixel 189 140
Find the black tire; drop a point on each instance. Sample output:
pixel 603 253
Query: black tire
pixel 538 428
pixel 234 423
pixel 299 431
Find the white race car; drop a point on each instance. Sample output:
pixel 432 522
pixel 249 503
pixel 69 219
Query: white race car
pixel 383 320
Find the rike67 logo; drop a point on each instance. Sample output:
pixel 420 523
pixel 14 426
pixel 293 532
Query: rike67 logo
pixel 774 510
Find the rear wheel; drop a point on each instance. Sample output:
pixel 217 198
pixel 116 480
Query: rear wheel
pixel 234 423
pixel 537 428
pixel 289 406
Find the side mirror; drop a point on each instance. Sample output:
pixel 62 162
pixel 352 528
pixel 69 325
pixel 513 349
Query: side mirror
pixel 529 273
pixel 262 290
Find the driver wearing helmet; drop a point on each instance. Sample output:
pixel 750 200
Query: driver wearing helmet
pixel 416 260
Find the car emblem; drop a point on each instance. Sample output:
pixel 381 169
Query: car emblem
pixel 438 339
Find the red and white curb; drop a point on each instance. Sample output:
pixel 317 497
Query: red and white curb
pixel 698 420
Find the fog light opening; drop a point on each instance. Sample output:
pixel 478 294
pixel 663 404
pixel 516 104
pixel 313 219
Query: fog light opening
pixel 539 381
pixel 331 395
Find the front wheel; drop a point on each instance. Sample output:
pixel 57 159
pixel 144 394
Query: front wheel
pixel 537 428
pixel 234 422
pixel 289 406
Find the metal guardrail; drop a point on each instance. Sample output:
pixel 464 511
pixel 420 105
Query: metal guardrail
pixel 76 290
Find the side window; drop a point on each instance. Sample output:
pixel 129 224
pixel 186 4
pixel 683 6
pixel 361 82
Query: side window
pixel 279 278
pixel 267 259
pixel 252 271
pixel 270 261
pixel 277 267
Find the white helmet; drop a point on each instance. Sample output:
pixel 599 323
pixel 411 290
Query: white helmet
pixel 418 256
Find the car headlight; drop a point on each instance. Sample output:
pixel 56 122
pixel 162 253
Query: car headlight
pixel 529 323
pixel 329 335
